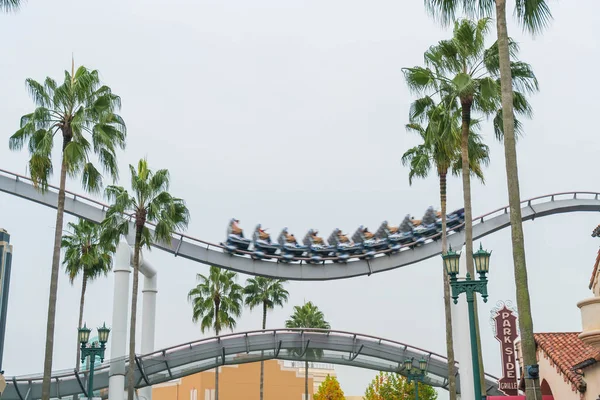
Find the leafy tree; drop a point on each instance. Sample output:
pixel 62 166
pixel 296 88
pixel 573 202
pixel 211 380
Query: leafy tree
pixel 81 112
pixel 330 390
pixel 534 16
pixel 149 202
pixel 461 69
pixel 217 302
pixel 391 386
pixel 88 256
pixel 266 293
pixel 441 150
pixel 308 316
pixel 10 5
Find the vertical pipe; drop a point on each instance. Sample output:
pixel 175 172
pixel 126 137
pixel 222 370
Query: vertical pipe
pixel 5 265
pixel 474 351
pixel 148 319
pixel 416 389
pixel 118 342
pixel 462 345
pixel 90 388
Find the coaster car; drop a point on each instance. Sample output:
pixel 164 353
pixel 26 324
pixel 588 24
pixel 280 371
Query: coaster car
pixel 392 234
pixel 427 226
pixel 263 246
pixel 235 238
pixel 344 247
pixel 369 242
pixel 406 230
pixel 317 248
pixel 290 248
pixel 454 219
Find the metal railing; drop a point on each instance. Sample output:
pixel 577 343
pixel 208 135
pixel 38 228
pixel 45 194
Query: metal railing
pixel 267 332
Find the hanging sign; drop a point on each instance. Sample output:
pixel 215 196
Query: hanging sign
pixel 506 333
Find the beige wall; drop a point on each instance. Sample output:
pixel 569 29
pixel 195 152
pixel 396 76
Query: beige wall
pixel 237 382
pixel 561 389
pixel 242 382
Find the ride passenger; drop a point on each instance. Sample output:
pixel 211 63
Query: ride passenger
pixel 235 228
pixel 316 239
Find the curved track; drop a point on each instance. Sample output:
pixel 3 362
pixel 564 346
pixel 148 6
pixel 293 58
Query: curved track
pixel 212 254
pixel 336 347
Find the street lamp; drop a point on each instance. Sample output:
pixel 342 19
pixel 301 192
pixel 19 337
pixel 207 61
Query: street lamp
pixel 417 375
pixel 470 287
pixel 92 351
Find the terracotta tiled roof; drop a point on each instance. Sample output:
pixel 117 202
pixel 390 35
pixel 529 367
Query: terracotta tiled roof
pixel 566 350
pixel 595 269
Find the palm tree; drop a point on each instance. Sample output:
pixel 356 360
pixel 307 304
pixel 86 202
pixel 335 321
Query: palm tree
pixel 87 256
pixel 307 316
pixel 534 16
pixel 217 301
pixel 268 293
pixel 82 112
pixel 441 150
pixel 150 202
pixel 463 69
pixel 10 5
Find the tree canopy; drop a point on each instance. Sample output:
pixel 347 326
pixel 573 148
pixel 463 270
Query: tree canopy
pixel 330 389
pixel 391 386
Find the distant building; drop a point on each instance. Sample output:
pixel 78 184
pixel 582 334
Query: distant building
pixel 283 380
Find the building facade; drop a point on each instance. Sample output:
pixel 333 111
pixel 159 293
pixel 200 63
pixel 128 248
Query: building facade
pixel 569 362
pixel 283 380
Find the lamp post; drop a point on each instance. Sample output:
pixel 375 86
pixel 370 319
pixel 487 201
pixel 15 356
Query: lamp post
pixel 417 375
pixel 92 351
pixel 470 287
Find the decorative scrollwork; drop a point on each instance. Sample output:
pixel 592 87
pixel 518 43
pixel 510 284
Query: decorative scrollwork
pixel 499 306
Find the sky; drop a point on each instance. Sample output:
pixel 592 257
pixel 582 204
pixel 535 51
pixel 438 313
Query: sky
pixel 292 114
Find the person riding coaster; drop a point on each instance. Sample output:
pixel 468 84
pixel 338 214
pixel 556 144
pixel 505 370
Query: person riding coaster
pixel 235 238
pixel 427 226
pixel 289 245
pixel 392 234
pixel 263 246
pixel 407 231
pixel 344 247
pixel 317 248
pixel 370 243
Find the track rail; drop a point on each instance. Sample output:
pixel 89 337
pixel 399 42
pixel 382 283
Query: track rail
pixel 205 252
pixel 335 347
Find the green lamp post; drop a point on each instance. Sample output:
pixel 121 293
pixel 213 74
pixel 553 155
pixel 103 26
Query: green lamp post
pixel 92 351
pixel 417 375
pixel 470 287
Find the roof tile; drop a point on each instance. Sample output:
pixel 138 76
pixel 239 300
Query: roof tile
pixel 566 350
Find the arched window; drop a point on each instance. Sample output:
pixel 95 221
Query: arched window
pixel 546 391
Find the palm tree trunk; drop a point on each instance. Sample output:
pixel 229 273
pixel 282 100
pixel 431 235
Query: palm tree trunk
pixel 262 362
pixel 217 331
pixel 447 311
pixel 306 380
pixel 466 177
pixel 132 322
pixel 83 287
pixel 60 211
pixel 532 387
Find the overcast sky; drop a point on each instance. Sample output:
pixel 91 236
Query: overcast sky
pixel 291 113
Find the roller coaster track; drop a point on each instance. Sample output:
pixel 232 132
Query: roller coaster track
pixel 333 347
pixel 209 253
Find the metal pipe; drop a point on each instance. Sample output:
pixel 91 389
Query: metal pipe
pixel 118 346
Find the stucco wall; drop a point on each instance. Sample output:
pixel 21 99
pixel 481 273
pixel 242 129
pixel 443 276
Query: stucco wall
pixel 592 378
pixel 560 385
pixel 238 382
